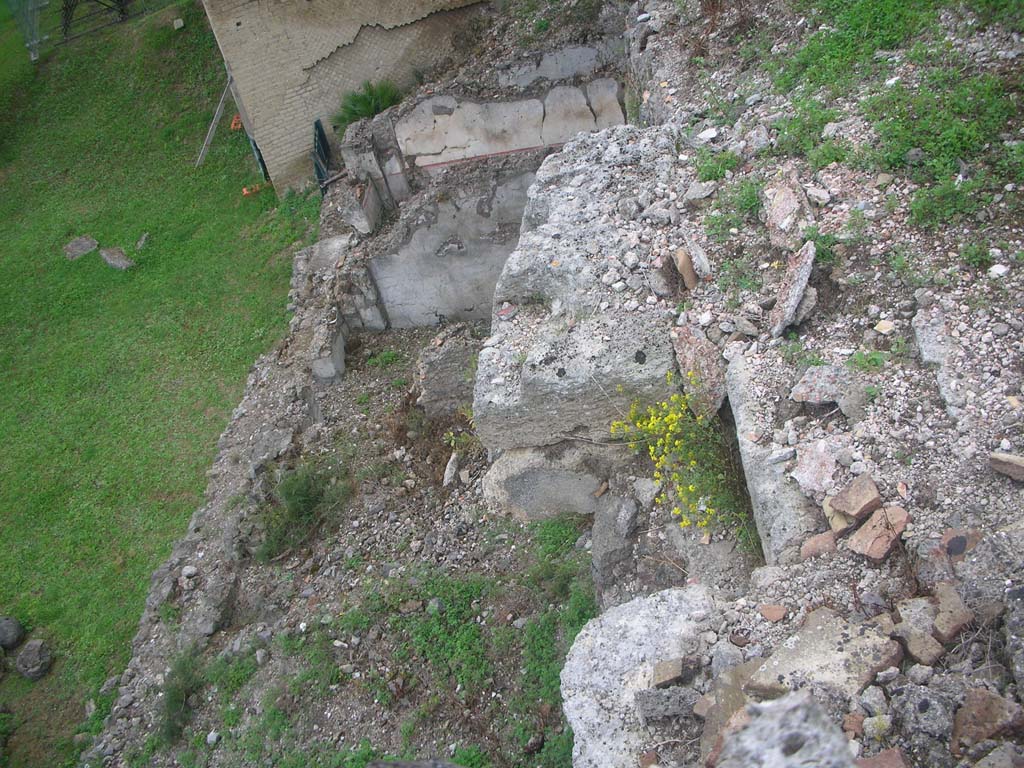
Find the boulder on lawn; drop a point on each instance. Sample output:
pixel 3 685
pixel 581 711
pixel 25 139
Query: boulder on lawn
pixel 11 633
pixel 35 660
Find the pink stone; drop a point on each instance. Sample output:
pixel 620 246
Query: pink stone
pixel 877 537
pixel 859 499
pixel 818 545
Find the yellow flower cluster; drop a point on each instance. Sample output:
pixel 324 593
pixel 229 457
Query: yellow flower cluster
pixel 687 452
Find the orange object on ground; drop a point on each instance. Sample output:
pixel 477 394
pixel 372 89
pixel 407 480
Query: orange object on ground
pixel 236 122
pixel 247 191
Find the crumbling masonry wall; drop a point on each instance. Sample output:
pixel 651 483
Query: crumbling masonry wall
pixel 291 61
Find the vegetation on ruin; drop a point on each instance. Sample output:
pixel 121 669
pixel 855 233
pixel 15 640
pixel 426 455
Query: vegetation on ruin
pixel 371 99
pixel 700 480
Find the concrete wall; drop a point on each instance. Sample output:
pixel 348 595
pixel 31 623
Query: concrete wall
pixel 292 60
pixel 445 129
pixel 449 261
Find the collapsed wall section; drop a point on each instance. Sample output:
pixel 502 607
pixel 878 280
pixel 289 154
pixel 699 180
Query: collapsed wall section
pixel 577 334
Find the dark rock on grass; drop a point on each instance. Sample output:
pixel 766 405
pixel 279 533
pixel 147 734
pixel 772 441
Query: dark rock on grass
pixel 11 633
pixel 35 660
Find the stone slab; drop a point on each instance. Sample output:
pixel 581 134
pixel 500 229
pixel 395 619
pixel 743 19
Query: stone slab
pixel 829 651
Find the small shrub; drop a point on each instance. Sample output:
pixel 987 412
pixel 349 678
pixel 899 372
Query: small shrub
pixel 868 362
pixel 183 681
pixel 384 359
pixel 712 166
pixel 976 256
pixel 371 99
pixel 305 496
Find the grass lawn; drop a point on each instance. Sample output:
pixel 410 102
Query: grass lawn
pixel 115 385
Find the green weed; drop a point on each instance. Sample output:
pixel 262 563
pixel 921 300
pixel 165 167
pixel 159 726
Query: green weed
pixel 184 679
pixel 800 135
pixel 795 353
pixel 737 275
pixel 868 362
pixel 229 675
pixel 471 757
pixel 305 498
pixel 384 359
pixel 824 245
pixel 976 255
pixel 712 166
pixel 742 198
pixel 451 640
pixel 720 225
pixel 948 200
pixel 826 153
pixel 371 99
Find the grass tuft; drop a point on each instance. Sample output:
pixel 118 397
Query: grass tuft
pixel 371 99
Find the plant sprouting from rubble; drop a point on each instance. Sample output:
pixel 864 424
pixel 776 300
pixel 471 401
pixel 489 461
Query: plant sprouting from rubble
pixel 371 99
pixel 692 462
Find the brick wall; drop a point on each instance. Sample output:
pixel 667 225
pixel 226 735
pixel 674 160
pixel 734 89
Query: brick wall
pixel 291 61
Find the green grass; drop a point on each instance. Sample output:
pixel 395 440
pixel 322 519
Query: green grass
pixel 950 117
pixel 450 640
pixel 838 55
pixel 800 135
pixel 114 386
